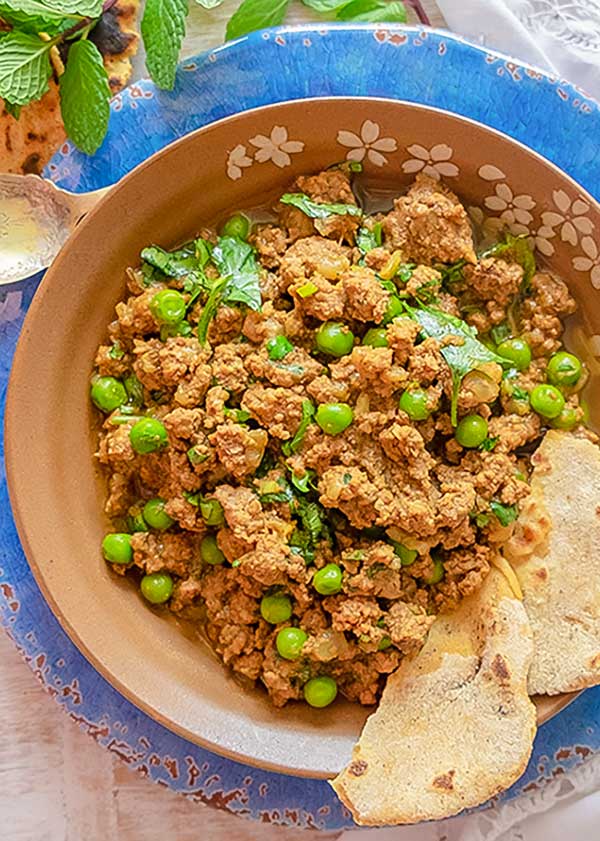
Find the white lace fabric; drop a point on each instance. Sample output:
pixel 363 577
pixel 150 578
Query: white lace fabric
pixel 562 37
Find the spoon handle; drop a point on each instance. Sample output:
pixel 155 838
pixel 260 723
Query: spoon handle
pixel 81 203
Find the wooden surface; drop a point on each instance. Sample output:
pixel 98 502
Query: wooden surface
pixel 56 783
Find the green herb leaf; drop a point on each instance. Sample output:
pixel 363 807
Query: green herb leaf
pixel 368 239
pixel 316 210
pixel 13 110
pixel 519 393
pixel 308 411
pixel 373 11
pixel 451 272
pixel 84 97
pixel 325 5
pixel 256 14
pixel 116 351
pixel 515 248
pixel 482 520
pixel 506 514
pixel 466 355
pixel 135 391
pixel 163 28
pixel 236 261
pixel 24 67
pixel 54 9
pixel 209 4
pixel 210 308
pixel 305 482
pixel 489 444
pixel 499 332
pixel 175 264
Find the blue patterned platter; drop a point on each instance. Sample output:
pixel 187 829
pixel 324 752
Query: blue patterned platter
pixel 430 67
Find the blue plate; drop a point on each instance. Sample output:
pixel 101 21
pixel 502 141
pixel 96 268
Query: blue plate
pixel 432 68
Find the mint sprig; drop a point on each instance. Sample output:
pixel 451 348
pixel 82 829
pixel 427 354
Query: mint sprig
pixel 163 28
pixel 84 97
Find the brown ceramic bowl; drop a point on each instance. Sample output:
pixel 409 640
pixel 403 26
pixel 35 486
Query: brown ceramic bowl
pixel 56 493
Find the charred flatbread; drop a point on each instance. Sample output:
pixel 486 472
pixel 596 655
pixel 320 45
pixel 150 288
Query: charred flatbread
pixel 455 724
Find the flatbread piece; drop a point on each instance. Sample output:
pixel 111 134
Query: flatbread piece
pixel 455 724
pixel 561 579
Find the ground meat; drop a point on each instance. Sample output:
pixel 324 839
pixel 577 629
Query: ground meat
pixel 288 486
pixel 366 299
pixel 541 313
pixel 240 450
pixel 430 224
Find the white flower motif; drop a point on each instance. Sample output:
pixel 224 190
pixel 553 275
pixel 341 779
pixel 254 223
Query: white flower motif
pixel 10 307
pixel 434 162
pixel 236 160
pixel 572 218
pixel 276 148
pixel 489 172
pixel 514 208
pixel 591 262
pixel 369 143
pixel 541 239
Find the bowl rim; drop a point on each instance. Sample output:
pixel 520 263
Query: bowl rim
pixel 18 372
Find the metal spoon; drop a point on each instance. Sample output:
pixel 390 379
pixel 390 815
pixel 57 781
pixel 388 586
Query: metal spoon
pixel 36 219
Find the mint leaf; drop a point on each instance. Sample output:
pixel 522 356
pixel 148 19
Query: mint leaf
pixel 163 28
pixel 368 239
pixel 256 14
pixel 54 9
pixel 236 261
pixel 325 5
pixel 209 4
pixel 24 67
pixel 13 110
pixel 308 411
pixel 373 11
pixel 466 354
pixel 84 97
pixel 316 210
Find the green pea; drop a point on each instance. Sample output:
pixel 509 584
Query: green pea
pixel 471 431
pixel 437 574
pixel 212 512
pixel 108 394
pixel 568 419
pixel 148 435
pixel 328 580
pixel 156 516
pixel 320 691
pixel 278 347
pixel 414 403
pixel 157 588
pixel 516 351
pixel 334 418
pixel 334 338
pixel 237 225
pixel 384 643
pixel 276 608
pixel 289 642
pixel 564 369
pixel 168 306
pixel 210 552
pixel 547 401
pixel 376 337
pixel 394 308
pixel 116 548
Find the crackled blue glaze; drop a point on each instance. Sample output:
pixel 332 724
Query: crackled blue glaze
pixel 433 68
